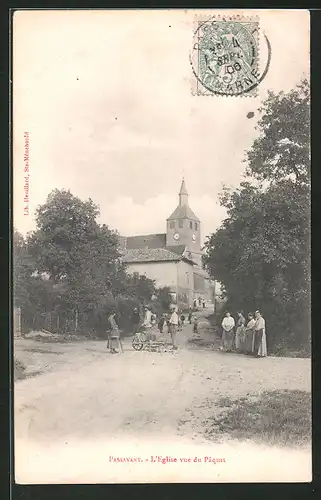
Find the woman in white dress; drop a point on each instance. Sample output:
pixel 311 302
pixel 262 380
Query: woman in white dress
pixel 260 349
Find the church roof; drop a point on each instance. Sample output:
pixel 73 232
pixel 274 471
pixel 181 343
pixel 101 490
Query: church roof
pixel 183 212
pixel 183 189
pixel 154 254
pixel 146 240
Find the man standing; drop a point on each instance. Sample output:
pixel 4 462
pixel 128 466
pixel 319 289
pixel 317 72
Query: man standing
pixel 135 320
pixel 173 321
pixel 114 334
pixel 161 323
pixel 190 315
pixel 260 349
pixel 228 324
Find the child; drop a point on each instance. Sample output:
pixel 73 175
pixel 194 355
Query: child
pixel 161 323
pixel 182 319
pixel 195 327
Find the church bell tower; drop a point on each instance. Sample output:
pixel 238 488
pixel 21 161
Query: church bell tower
pixel 184 228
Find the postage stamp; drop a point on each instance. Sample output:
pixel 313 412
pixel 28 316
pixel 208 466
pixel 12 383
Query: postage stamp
pixel 225 56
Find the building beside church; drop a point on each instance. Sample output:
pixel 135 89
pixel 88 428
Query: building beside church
pixel 173 258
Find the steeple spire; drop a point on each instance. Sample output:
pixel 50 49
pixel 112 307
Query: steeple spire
pixel 183 195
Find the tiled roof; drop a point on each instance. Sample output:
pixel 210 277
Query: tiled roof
pixel 183 212
pixel 178 249
pixel 146 241
pixel 149 255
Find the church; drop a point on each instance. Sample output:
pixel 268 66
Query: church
pixel 174 258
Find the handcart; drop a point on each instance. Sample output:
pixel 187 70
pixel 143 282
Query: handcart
pixel 150 341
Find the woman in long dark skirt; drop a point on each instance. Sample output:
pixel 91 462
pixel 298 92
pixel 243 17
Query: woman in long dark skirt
pixel 248 344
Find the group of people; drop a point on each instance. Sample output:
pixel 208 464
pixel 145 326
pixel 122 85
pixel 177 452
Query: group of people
pixel 247 337
pixel 199 303
pixel 174 321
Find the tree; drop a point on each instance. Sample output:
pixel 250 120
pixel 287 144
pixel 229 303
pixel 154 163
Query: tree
pixel 71 263
pixel 164 298
pixel 282 150
pixel 261 251
pixel 141 287
pixel 31 291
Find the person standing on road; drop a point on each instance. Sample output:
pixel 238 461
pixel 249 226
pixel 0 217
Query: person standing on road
pixel 239 334
pixel 195 325
pixel 260 349
pixel 248 345
pixel 173 322
pixel 115 334
pixel 161 323
pixel 190 315
pixel 148 318
pixel 228 325
pixel 135 320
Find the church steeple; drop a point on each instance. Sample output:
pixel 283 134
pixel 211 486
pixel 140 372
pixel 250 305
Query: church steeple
pixel 183 195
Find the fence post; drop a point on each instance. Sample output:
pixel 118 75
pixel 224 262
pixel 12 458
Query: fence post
pixel 17 322
pixel 76 320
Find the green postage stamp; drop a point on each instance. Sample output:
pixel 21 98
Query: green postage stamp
pixel 225 56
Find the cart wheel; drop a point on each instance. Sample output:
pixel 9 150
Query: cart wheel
pixel 137 343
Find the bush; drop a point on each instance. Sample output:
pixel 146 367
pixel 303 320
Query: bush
pixel 19 369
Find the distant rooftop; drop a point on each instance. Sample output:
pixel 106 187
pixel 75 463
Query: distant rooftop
pixel 154 254
pixel 146 240
pixel 183 212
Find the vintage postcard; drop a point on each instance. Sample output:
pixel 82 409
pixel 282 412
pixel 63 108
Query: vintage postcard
pixel 161 258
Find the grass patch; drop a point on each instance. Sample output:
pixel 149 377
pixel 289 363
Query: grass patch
pixel 43 351
pixel 275 417
pixel 19 369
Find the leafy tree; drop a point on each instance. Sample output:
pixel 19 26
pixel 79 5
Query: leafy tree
pixel 141 287
pixel 71 263
pixel 31 291
pixel 282 149
pixel 261 251
pixel 164 298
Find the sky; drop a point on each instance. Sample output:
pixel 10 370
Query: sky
pixel 106 98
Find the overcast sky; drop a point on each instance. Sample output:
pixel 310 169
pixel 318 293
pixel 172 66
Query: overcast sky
pixel 106 99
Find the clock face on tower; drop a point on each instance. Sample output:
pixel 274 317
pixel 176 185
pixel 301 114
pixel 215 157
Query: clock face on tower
pixel 176 236
pixel 193 237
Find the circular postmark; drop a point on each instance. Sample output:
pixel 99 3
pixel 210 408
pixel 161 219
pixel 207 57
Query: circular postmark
pixel 225 57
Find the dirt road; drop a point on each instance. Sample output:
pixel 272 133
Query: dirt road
pixel 86 395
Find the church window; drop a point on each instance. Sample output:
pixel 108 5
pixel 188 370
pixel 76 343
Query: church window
pixel 191 224
pixel 181 223
pixel 172 224
pixel 196 226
